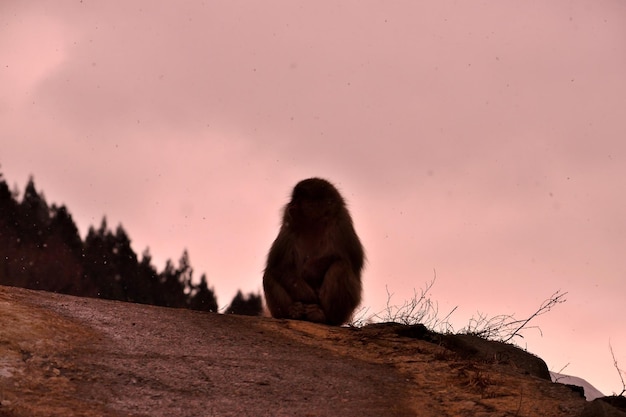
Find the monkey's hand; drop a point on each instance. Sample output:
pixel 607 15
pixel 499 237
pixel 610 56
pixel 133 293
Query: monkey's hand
pixel 296 311
pixel 314 313
pixel 309 312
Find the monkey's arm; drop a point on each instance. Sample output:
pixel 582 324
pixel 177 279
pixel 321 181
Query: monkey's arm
pixel 276 296
pixel 340 293
pixel 286 296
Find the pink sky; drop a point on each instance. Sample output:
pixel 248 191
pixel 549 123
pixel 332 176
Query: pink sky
pixel 484 141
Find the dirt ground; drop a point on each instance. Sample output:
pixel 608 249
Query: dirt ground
pixel 69 356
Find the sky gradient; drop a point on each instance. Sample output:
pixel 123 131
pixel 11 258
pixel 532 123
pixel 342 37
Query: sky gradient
pixel 484 141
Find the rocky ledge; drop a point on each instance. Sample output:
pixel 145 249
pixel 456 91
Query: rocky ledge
pixel 69 356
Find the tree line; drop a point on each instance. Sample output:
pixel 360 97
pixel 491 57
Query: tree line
pixel 41 249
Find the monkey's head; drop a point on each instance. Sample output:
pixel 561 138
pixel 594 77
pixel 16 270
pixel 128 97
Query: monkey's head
pixel 314 202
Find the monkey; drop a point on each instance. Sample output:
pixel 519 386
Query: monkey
pixel 314 265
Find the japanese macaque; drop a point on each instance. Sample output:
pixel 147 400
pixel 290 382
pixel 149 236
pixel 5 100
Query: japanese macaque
pixel 314 266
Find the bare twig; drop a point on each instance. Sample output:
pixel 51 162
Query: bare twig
pixel 559 372
pixel 619 371
pixel 563 368
pixel 505 327
pixel 360 317
pixel 422 310
pixel 555 298
pixel 419 309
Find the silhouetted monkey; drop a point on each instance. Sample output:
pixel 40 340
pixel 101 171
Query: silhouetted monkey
pixel 314 266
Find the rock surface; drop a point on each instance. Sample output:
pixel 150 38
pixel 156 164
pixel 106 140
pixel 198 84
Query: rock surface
pixel 68 356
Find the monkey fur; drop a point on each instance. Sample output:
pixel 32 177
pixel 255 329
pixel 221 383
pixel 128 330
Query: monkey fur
pixel 313 270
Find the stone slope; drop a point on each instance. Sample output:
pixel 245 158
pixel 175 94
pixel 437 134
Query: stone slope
pixel 69 356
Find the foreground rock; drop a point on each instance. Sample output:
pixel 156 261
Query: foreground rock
pixel 68 356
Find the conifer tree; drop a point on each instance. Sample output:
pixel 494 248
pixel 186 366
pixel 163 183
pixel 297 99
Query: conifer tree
pixel 203 297
pixel 63 225
pixel 252 305
pixel 172 287
pixel 34 214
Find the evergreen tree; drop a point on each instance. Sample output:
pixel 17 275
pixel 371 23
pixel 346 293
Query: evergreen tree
pixel 125 262
pixel 203 297
pixel 172 287
pixel 98 262
pixel 252 305
pixel 60 257
pixel 63 225
pixel 8 210
pixel 34 214
pixel 41 248
pixel 8 234
pixel 148 279
pixel 185 272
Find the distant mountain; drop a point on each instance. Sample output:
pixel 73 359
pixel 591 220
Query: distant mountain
pixel 591 393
